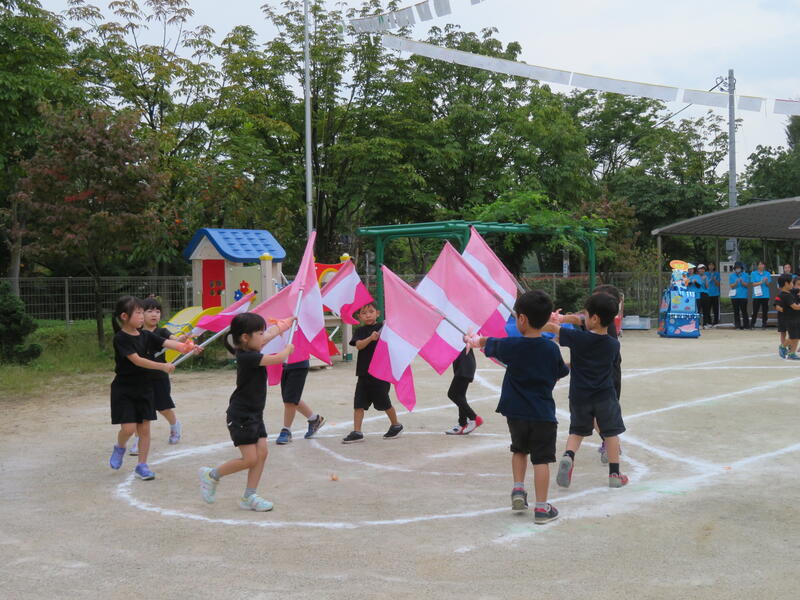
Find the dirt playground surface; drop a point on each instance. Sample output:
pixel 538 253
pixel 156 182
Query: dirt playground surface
pixel 711 512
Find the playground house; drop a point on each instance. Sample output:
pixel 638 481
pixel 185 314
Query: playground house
pixel 227 263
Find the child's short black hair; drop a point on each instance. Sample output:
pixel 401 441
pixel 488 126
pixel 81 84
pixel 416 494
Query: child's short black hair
pixel 151 303
pixel 783 279
pixel 536 305
pixel 604 306
pixel 609 289
pixel 241 324
pixel 372 304
pixel 126 304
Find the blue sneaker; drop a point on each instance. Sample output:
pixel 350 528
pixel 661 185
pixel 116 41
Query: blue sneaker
pixel 792 356
pixel 144 473
pixel 116 457
pixel 782 352
pixel 313 426
pixel 284 437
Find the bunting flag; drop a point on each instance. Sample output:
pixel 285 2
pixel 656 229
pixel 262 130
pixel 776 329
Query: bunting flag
pixel 404 17
pixel 463 297
pixel 409 323
pixel 222 320
pixel 665 93
pixel 344 294
pixel 310 337
pixel 491 269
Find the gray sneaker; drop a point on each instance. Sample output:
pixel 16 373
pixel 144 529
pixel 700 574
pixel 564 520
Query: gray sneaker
pixel 393 432
pixel 353 437
pixel 519 499
pixel 564 476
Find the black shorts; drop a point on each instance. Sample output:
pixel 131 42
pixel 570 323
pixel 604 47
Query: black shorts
pixel 537 438
pixel 793 328
pixel 132 402
pixel 617 375
pixel 162 393
pixel 371 391
pixel 605 408
pixel 781 323
pixel 246 430
pixel 292 383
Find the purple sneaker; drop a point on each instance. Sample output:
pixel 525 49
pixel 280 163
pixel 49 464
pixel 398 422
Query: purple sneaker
pixel 144 473
pixel 116 457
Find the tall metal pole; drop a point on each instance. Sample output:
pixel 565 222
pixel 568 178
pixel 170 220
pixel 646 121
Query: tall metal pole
pixel 307 90
pixel 731 141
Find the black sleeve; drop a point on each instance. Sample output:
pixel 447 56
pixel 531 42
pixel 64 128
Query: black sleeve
pixel 358 334
pixel 163 332
pixel 248 360
pixel 124 345
pixel 153 342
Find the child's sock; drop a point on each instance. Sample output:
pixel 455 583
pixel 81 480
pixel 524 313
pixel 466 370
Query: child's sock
pixel 613 468
pixel 519 485
pixel 249 492
pixel 542 505
pixel 313 418
pixel 214 474
pixel 570 453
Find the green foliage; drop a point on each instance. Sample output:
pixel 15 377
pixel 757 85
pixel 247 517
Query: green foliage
pixel 570 294
pixel 15 326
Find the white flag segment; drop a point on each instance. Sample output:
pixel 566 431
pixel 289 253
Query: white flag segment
pixel 344 294
pixel 483 259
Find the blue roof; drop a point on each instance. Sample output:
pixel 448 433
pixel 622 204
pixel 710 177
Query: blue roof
pixel 238 245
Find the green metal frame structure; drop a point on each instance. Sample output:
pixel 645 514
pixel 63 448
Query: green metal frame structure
pixel 460 231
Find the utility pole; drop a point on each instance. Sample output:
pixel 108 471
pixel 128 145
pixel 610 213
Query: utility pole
pixel 729 85
pixel 307 91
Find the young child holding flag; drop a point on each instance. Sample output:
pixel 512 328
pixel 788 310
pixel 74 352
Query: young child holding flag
pixel 463 374
pixel 293 381
pixel 370 391
pixel 245 415
pixel 533 366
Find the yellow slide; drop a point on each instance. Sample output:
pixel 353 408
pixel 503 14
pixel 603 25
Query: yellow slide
pixel 184 321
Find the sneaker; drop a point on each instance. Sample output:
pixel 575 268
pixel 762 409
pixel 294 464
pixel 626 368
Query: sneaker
pixel 457 430
pixel 603 453
pixel 313 426
pixel 564 476
pixel 519 499
pixel 208 485
pixel 144 473
pixel 393 432
pixel 175 432
pixel 134 449
pixel 256 503
pixel 353 437
pixel 617 480
pixel 545 515
pixel 792 356
pixel 782 352
pixel 284 437
pixel 473 425
pixel 116 457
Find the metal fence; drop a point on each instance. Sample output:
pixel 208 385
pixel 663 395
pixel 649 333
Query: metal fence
pixel 72 298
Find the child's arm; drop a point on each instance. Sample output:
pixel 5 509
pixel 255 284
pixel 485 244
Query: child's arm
pixel 278 326
pixel 182 347
pixel 552 328
pixel 150 364
pixel 373 337
pixel 278 358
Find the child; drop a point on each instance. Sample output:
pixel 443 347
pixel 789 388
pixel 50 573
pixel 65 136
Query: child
pixel 293 380
pixel 533 365
pixel 162 397
pixel 132 405
pixel 463 374
pixel 592 396
pixel 245 414
pixel 370 391
pixel 790 306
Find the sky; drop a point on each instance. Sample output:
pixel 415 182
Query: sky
pixel 681 43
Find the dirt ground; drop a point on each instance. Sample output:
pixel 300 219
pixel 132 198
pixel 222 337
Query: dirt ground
pixel 711 511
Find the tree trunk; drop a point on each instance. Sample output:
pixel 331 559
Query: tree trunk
pixel 15 246
pixel 98 313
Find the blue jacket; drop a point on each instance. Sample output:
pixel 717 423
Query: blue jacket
pixel 741 289
pixel 761 280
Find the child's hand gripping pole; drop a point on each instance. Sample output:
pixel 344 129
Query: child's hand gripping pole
pixel 197 349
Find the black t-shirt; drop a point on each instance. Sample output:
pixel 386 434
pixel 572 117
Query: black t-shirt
pixel 464 365
pixel 787 299
pixel 250 395
pixel 145 344
pixel 592 358
pixel 365 355
pixel 158 355
pixel 303 364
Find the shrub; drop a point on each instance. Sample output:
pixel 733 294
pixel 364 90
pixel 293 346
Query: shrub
pixel 570 294
pixel 15 326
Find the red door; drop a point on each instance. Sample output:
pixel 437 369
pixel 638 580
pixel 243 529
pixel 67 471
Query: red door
pixel 213 282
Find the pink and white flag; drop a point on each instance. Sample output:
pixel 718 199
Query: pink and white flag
pixel 492 270
pixel 221 320
pixel 310 337
pixel 409 323
pixel 461 295
pixel 344 294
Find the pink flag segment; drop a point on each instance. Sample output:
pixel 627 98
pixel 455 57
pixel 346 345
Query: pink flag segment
pixel 409 323
pixel 221 320
pixel 344 294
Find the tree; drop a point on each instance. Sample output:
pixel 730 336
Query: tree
pixel 34 70
pixel 89 190
pixel 15 326
pixel 774 173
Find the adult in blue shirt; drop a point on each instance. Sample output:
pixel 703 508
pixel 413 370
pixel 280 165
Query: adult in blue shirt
pixel 759 282
pixel 713 293
pixel 739 281
pixel 699 282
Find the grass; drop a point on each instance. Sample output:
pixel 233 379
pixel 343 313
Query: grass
pixel 72 350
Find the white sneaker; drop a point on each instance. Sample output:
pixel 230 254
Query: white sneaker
pixel 208 485
pixel 256 503
pixel 134 449
pixel 472 425
pixel 457 430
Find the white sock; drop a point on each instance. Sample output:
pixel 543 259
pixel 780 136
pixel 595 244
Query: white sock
pixel 313 417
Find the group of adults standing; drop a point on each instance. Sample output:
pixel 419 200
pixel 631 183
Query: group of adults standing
pixel 743 286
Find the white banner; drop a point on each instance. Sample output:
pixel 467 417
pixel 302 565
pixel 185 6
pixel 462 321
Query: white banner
pixel 705 98
pixel 787 107
pixel 620 86
pixel 424 11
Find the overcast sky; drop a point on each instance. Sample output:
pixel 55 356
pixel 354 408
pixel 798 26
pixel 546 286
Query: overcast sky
pixel 681 43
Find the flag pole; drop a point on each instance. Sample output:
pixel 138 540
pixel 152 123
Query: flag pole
pixel 217 335
pixel 294 323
